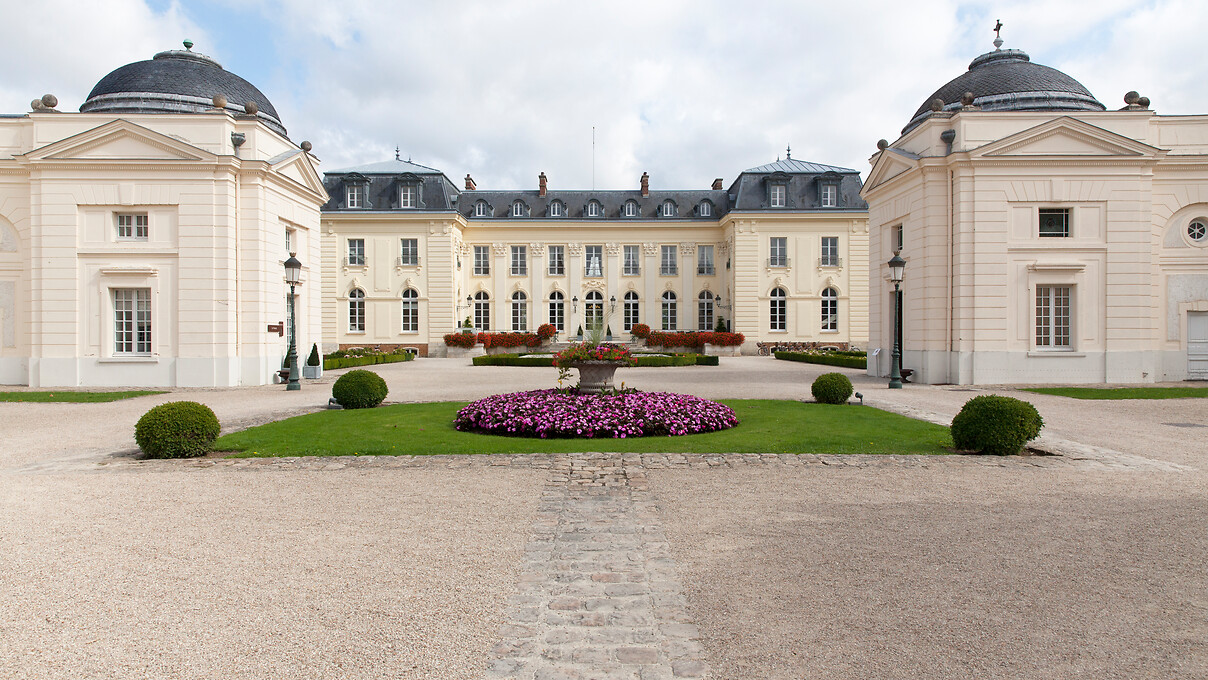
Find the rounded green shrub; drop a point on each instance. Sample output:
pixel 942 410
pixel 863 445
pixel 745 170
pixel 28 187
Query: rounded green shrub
pixel 177 429
pixel 831 388
pixel 359 389
pixel 995 425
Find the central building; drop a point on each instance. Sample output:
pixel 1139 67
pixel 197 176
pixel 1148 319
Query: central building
pixel 781 255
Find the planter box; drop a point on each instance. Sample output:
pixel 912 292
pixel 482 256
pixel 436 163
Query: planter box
pixel 464 352
pixel 312 372
pixel 723 350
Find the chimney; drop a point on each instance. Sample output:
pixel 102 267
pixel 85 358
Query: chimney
pixel 645 185
pixel 717 184
pixel 470 186
pixel 541 183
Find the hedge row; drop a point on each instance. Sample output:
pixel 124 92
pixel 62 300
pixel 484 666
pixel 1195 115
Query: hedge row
pixel 643 361
pixel 825 359
pixel 349 362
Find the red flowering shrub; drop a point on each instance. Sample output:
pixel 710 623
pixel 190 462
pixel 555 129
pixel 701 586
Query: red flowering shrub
pixel 490 340
pixel 585 351
pixel 640 330
pixel 466 340
pixel 546 331
pixel 693 339
pixel 727 339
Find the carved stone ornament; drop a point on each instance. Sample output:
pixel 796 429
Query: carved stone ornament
pixel 612 248
pixel 594 284
pixel 669 286
pixel 537 249
pixel 723 248
pixel 517 288
pixel 500 249
pixel 650 248
pixel 631 287
pixel 356 283
pixel 687 248
pixel 574 249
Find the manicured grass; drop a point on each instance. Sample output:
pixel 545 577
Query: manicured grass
pixel 1122 392
pixel 74 397
pixel 766 426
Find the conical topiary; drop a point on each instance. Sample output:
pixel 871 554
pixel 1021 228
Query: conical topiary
pixel 313 359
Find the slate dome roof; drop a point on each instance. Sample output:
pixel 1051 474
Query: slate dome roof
pixel 177 81
pixel 1007 80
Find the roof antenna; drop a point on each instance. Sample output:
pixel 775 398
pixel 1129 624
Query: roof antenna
pixel 396 153
pixel 593 158
pixel 788 152
pixel 997 35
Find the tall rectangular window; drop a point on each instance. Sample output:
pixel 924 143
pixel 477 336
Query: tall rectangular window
pixel 409 252
pixel 632 261
pixel 899 239
pixel 830 196
pixel 777 193
pixel 557 261
pixel 1055 222
pixel 704 311
pixel 830 252
pixel 519 312
pixel 356 252
pixel 132 321
pixel 132 227
pixel 778 251
pixel 670 314
pixel 631 311
pixel 410 311
pixel 778 310
pixel 1053 317
pixel 289 241
pixel 482 312
pixel 704 261
pixel 408 196
pixel 667 262
pixel 355 196
pixel 593 261
pixel 557 310
pixel 356 311
pixel 519 260
pixel 482 260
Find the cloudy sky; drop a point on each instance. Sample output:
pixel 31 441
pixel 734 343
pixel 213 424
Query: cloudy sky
pixel 686 90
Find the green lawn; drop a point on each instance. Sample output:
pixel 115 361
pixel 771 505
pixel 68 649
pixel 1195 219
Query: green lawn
pixel 767 426
pixel 1122 392
pixel 75 397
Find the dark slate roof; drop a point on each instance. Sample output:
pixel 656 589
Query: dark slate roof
pixel 384 180
pixel 1007 80
pixel 794 165
pixel 176 81
pixel 803 180
pixel 393 166
pixel 612 202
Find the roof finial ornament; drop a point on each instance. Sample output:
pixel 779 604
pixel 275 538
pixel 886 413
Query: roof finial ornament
pixel 997 34
pixel 188 44
pixel 396 152
pixel 788 152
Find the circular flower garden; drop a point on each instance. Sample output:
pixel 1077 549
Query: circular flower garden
pixel 553 413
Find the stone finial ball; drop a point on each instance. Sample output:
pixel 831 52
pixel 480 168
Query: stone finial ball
pixel 882 144
pixel 1143 102
pixel 251 108
pixel 220 101
pixel 306 146
pixel 50 101
pixel 1131 97
pixel 967 99
pixel 36 104
pixel 937 104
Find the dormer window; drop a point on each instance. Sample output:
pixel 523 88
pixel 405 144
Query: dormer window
pixel 354 196
pixel 668 209
pixel 705 209
pixel 408 196
pixel 631 208
pixel 594 209
pixel 828 195
pixel 777 194
pixel 480 209
pixel 555 209
pixel 518 209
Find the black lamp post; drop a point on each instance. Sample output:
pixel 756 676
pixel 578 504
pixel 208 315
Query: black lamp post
pixel 612 303
pixel 293 276
pixel 896 266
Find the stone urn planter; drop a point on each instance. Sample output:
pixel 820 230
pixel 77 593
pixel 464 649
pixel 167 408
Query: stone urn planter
pixel 723 350
pixel 596 376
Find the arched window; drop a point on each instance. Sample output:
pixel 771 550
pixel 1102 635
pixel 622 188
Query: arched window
pixel 779 310
pixel 482 310
pixel 594 209
pixel 480 209
pixel 632 312
pixel 830 310
pixel 704 311
pixel 593 310
pixel 356 311
pixel 410 311
pixel 668 208
pixel 631 208
pixel 669 311
pixel 557 310
pixel 705 209
pixel 555 209
pixel 519 311
pixel 518 209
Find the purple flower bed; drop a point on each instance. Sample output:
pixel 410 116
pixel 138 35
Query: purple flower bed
pixel 548 414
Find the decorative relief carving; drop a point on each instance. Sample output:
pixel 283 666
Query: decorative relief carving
pixel 650 248
pixel 500 249
pixel 537 249
pixel 687 248
pixel 574 249
pixel 594 284
pixel 669 286
pixel 630 287
pixel 723 248
pixel 612 248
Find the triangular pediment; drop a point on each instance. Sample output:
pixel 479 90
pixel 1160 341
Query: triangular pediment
pixel 889 164
pixel 300 168
pixel 1066 137
pixel 119 140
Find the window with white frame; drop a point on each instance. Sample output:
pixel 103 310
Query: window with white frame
pixel 555 209
pixel 356 311
pixel 356 252
pixel 519 311
pixel 132 226
pixel 408 252
pixel 518 209
pixel 669 312
pixel 777 194
pixel 557 310
pixel 830 252
pixel 482 260
pixel 829 195
pixel 899 238
pixel 1053 317
pixel 594 209
pixel 354 196
pixel 778 310
pixel 631 312
pixel 1054 222
pixel 593 310
pixel 132 321
pixel 667 261
pixel 704 261
pixel 705 209
pixel 830 309
pixel 289 240
pixel 482 310
pixel 631 208
pixel 632 264
pixel 480 209
pixel 408 196
pixel 668 208
pixel 593 261
pixel 410 311
pixel 519 260
pixel 704 311
pixel 778 251
pixel 557 260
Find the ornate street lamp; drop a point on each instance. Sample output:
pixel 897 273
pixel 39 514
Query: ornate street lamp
pixel 293 276
pixel 612 303
pixel 896 266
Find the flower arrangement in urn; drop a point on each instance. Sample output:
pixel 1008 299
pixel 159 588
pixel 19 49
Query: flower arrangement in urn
pixel 596 360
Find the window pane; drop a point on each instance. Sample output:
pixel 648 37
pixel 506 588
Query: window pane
pixel 356 310
pixel 633 260
pixel 356 251
pixel 830 251
pixel 409 253
pixel 668 264
pixel 410 311
pixel 670 314
pixel 704 311
pixel 1055 222
pixel 557 261
pixel 778 252
pixel 519 260
pixel 830 309
pixel 593 263
pixel 482 260
pixel 557 311
pixel 777 310
pixel 632 311
pixel 704 260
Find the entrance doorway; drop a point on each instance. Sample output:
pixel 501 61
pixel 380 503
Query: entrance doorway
pixel 1197 345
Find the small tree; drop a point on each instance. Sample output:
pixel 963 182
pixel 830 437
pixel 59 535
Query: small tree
pixel 721 326
pixel 313 359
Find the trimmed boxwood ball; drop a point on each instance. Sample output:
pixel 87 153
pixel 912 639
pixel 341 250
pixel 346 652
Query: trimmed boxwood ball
pixel 177 429
pixel 995 425
pixel 359 389
pixel 831 388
